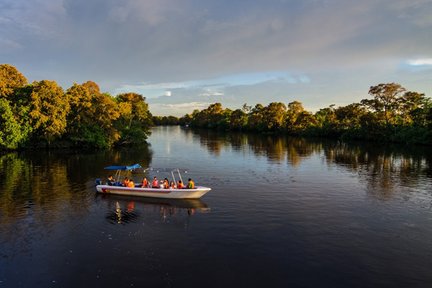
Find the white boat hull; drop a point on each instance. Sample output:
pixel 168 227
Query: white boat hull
pixel 195 193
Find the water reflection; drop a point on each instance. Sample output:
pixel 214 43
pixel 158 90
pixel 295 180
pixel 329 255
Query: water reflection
pixel 384 168
pixel 122 215
pixel 277 149
pixel 54 179
pixel 124 210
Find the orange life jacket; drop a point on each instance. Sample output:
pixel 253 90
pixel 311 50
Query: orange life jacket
pixel 166 184
pixel 155 183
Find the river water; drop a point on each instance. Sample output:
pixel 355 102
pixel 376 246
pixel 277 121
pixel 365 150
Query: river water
pixel 282 212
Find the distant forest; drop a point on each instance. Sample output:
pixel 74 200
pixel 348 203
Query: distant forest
pixel 391 115
pixel 42 114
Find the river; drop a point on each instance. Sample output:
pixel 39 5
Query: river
pixel 282 212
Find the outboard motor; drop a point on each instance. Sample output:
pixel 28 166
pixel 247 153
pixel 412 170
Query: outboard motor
pixel 98 181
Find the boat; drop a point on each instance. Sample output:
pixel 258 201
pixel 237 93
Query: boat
pixel 170 193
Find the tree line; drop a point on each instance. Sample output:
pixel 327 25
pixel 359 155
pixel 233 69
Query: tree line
pixel 392 114
pixel 42 114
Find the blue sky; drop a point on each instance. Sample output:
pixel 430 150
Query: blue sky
pixel 185 54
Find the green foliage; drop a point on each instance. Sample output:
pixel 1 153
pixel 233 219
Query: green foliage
pixel 86 117
pixel 238 120
pixel 12 134
pixel 255 119
pixel 49 108
pixel 135 119
pixel 393 115
pixel 90 136
pixel 274 116
pixel 81 117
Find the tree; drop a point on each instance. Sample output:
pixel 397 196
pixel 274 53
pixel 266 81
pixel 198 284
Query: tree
pixel 10 79
pixel 274 116
pixel 214 116
pixel 238 120
pixel 294 110
pixel 326 117
pixel 255 119
pixel 348 117
pixel 80 101
pixel 105 112
pixel 12 134
pixel 135 119
pixel 91 117
pixel 185 120
pixel 386 101
pixel 49 107
pixel 413 106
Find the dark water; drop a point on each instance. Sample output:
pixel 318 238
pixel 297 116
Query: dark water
pixel 282 213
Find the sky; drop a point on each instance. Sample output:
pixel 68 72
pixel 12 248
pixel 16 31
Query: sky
pixel 186 54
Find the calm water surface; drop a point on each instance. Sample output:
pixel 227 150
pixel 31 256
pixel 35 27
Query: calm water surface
pixel 283 212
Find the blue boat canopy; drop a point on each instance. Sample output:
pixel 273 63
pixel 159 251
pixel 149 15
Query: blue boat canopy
pixel 131 167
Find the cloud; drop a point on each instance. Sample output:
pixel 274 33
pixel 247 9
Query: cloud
pixel 43 18
pixel 228 51
pixel 8 45
pixel 150 12
pixel 420 62
pixel 160 85
pixel 177 109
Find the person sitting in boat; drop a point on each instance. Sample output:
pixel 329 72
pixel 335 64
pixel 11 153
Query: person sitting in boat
pixel 111 181
pixel 155 183
pixel 125 181
pixel 191 184
pixel 172 185
pixel 145 183
pixel 180 185
pixel 130 184
pixel 166 183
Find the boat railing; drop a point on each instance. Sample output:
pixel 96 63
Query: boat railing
pixel 137 167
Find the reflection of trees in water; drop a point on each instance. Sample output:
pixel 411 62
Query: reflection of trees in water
pixel 13 170
pixel 383 167
pixel 275 148
pixel 300 148
pixel 46 182
pixel 213 141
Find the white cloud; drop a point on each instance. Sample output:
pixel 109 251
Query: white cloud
pixel 178 109
pixel 209 93
pixel 161 85
pixel 420 62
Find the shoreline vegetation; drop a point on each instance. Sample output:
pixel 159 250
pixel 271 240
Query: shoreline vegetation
pixel 393 115
pixel 43 115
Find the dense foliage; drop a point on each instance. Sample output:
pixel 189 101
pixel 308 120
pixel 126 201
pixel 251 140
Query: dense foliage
pixel 42 114
pixel 391 115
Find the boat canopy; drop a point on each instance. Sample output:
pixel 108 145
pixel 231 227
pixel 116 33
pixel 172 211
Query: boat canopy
pixel 123 168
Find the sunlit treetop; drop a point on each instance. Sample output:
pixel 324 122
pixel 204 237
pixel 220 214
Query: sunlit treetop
pixel 10 78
